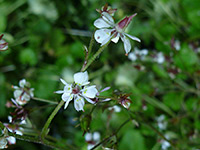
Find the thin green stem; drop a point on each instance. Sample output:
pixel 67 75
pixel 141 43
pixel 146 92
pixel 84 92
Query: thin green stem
pixel 45 128
pixel 95 56
pixel 38 140
pixel 88 51
pixel 44 100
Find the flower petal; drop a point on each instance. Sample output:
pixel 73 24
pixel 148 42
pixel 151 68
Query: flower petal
pixel 59 92
pixel 88 136
pixel 67 103
pixel 22 83
pixel 79 103
pixel 108 18
pixel 116 39
pixel 89 91
pixel 68 88
pixel 11 140
pixel 63 81
pixel 101 23
pixel 17 93
pixel 127 44
pixel 67 96
pixel 133 37
pixel 89 100
pixel 102 35
pixel 81 78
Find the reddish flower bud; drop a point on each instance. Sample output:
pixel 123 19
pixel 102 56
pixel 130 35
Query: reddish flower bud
pixel 3 44
pixel 125 22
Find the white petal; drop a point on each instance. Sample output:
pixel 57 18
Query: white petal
pixel 81 78
pixel 133 37
pixel 102 34
pixel 96 136
pixel 17 93
pixel 101 23
pixel 59 92
pixel 11 140
pixel 18 132
pixel 108 18
pixel 22 83
pixel 63 81
pixel 15 87
pixel 116 39
pixel 127 44
pixel 89 91
pixel 67 102
pixel 79 103
pixel 31 92
pixel 106 40
pixel 68 88
pixel 26 97
pixel 88 136
pixel 89 100
pixel 144 52
pixel 132 56
pixel 67 96
pixel 9 119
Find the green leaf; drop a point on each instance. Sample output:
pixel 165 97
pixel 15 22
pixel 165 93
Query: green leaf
pixel 159 104
pixel 186 58
pixel 173 100
pixel 28 56
pixel 132 140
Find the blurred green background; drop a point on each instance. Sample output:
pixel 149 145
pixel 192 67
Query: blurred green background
pixel 46 39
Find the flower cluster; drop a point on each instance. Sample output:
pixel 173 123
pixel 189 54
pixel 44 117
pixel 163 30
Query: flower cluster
pixel 23 93
pixel 78 91
pixel 3 44
pixel 5 139
pixel 138 54
pixel 109 30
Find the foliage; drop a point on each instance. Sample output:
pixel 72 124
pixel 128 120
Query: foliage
pixel 46 42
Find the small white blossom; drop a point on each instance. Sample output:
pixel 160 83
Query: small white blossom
pixel 138 54
pixel 162 124
pixel 108 30
pixel 23 93
pixel 115 108
pixel 92 139
pixel 177 45
pixel 165 144
pixel 159 58
pixel 78 91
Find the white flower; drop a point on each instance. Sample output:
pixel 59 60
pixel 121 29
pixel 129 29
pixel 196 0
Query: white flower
pixel 133 56
pixel 177 45
pixel 92 139
pixel 23 93
pixel 162 124
pixel 160 58
pixel 108 30
pixel 115 108
pixel 165 145
pixel 78 91
pixel 6 139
